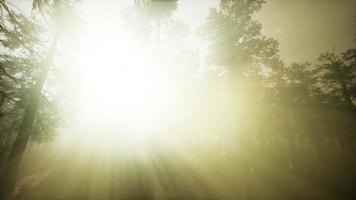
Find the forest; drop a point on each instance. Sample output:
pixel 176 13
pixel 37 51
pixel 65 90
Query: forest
pixel 131 100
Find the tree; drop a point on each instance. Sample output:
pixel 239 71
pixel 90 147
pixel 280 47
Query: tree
pixel 145 18
pixel 19 34
pixel 243 55
pixel 337 76
pixel 29 71
pixel 235 37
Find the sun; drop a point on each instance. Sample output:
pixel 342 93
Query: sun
pixel 123 90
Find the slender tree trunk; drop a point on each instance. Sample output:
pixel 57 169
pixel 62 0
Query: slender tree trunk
pixel 291 146
pixel 9 177
pixel 289 133
pixel 341 141
pixel 347 97
pixel 10 172
pixel 316 146
pixel 158 37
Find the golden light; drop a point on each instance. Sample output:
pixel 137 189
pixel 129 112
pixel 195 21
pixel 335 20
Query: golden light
pixel 134 95
pixel 123 90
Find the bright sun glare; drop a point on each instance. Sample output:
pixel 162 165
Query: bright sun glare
pixel 122 87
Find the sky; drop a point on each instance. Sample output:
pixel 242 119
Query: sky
pixel 304 28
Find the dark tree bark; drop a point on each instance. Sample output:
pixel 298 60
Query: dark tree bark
pixel 9 176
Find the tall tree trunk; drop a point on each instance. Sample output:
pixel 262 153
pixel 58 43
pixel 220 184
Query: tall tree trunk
pixel 9 176
pixel 291 146
pixel 10 172
pixel 347 96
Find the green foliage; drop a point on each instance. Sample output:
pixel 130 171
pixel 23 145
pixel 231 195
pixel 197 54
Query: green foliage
pixel 25 41
pixel 235 37
pixel 19 67
pixel 46 122
pixel 25 32
pixel 159 8
pixel 337 74
pixel 300 81
pixel 248 104
pixel 146 17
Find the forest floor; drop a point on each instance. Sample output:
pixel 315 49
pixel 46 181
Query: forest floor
pixel 163 176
